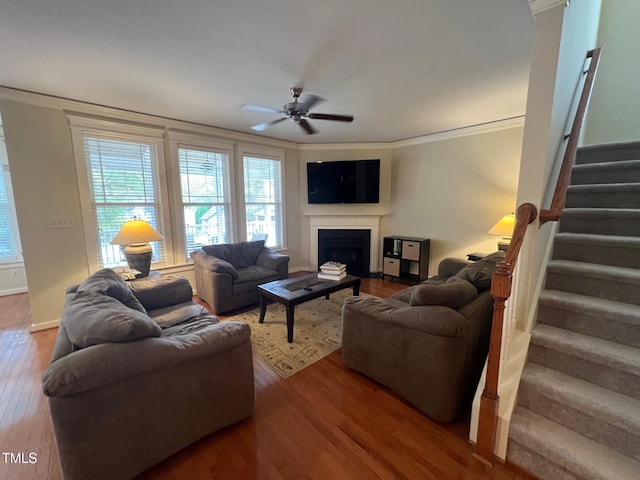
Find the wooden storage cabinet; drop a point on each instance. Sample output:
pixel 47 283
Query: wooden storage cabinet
pixel 405 258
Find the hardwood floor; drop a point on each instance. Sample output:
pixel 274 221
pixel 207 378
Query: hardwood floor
pixel 325 422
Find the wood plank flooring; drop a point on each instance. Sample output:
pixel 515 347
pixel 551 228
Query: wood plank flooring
pixel 325 422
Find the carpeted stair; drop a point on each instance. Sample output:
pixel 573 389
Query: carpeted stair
pixel 578 411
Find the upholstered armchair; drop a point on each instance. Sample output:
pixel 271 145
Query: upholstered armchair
pixel 228 275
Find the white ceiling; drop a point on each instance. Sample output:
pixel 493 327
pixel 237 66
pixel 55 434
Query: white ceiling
pixel 403 68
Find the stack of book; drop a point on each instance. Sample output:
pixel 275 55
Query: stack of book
pixel 332 271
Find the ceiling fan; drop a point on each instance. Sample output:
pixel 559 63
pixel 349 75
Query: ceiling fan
pixel 296 111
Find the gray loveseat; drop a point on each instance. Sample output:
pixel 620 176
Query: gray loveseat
pixel 428 342
pixel 228 275
pixel 135 378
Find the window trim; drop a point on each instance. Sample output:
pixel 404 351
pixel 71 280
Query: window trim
pixel 196 142
pixel 248 150
pixel 81 126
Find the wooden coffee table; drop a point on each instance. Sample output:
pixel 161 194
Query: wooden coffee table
pixel 294 291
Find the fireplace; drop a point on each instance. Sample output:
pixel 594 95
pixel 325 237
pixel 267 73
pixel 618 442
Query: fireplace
pixel 348 246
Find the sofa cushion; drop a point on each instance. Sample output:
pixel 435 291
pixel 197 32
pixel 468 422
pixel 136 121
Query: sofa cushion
pixel 237 254
pixel 93 318
pixel 479 273
pixel 107 282
pixel 453 294
pixel 158 291
pixel 222 251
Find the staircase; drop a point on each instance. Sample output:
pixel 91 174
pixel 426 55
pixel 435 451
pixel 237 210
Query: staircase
pixel 578 411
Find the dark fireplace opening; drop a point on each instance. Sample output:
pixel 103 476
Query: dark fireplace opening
pixel 351 247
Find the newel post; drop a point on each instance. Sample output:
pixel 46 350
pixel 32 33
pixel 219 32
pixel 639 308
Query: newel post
pixel 490 401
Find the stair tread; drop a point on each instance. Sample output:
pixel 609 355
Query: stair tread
pixel 594 269
pixel 613 164
pixel 608 309
pixel 604 187
pixel 598 239
pixel 582 456
pixel 602 403
pixel 611 354
pixel 600 212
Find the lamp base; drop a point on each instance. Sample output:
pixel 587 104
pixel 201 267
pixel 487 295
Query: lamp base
pixel 139 258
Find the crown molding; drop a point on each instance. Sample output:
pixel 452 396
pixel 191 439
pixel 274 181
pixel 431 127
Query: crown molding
pixel 539 6
pixel 98 112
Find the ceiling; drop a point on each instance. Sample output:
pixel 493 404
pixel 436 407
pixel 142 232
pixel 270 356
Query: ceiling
pixel 403 68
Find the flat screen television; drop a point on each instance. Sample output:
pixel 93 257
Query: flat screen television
pixel 350 181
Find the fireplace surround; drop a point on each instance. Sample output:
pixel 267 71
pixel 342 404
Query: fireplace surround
pixel 346 222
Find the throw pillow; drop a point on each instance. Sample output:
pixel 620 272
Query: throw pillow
pixel 107 282
pixel 221 251
pixel 453 294
pixel 93 318
pixel 251 250
pixel 479 273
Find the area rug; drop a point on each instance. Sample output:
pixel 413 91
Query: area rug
pixel 317 332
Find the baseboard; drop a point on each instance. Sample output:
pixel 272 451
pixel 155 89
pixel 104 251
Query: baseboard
pixel 13 291
pixel 36 327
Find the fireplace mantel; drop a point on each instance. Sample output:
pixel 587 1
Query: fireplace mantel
pixel 346 222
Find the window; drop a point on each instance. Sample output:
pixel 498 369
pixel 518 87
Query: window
pixel 9 238
pixel 262 178
pixel 122 175
pixel 206 198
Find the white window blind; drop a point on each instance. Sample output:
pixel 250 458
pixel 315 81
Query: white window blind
pixel 9 243
pixel 206 201
pixel 263 199
pixel 123 185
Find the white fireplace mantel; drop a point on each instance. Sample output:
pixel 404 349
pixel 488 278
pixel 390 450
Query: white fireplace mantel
pixel 346 222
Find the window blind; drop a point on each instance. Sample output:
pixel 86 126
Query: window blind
pixel 9 249
pixel 122 180
pixel 263 199
pixel 204 181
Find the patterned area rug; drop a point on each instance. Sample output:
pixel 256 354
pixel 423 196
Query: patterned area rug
pixel 317 331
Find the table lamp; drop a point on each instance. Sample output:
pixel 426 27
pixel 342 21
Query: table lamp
pixel 136 235
pixel 504 228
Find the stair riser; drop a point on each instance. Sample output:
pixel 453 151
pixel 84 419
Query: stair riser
pixel 621 199
pixel 607 153
pixel 618 256
pixel 588 370
pixel 594 324
pixel 589 425
pixel 540 466
pixel 600 225
pixel 599 176
pixel 618 289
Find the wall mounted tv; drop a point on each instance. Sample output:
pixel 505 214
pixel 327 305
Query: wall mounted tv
pixel 351 181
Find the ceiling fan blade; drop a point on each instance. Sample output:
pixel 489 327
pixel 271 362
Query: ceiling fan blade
pixel 259 108
pixel 309 102
pixel 306 126
pixel 263 126
pixel 330 116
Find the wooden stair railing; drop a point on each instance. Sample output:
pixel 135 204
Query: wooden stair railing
pixel 552 214
pixel 502 278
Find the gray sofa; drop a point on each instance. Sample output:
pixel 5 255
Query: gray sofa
pixel 139 373
pixel 228 275
pixel 428 342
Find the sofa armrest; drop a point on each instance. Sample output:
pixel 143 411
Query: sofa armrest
pixel 101 365
pixel 273 261
pixel 213 264
pixel 429 319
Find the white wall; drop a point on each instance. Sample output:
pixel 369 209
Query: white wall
pixel 614 112
pixel 562 37
pixel 453 191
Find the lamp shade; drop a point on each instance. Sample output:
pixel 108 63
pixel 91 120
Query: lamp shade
pixel 505 226
pixel 136 232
